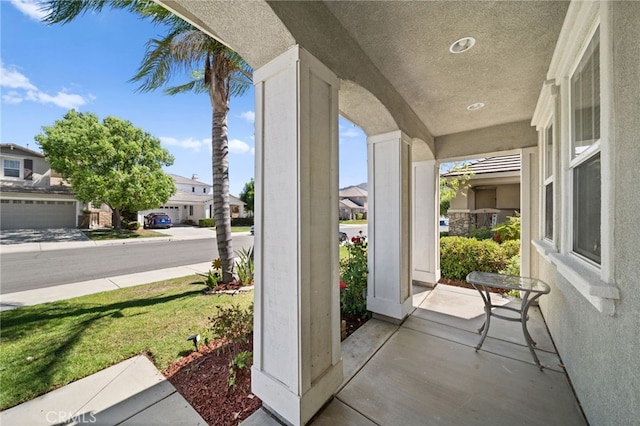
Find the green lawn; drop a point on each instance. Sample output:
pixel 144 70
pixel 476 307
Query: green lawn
pixel 46 346
pixel 240 228
pixel 354 222
pixel 112 234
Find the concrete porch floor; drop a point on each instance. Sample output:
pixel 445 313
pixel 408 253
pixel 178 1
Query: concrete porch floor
pixel 426 371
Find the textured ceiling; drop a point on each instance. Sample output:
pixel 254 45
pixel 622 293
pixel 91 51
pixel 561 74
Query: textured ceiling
pixel 409 43
pixel 397 54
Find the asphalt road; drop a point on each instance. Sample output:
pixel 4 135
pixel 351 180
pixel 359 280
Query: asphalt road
pixel 28 271
pixel 33 270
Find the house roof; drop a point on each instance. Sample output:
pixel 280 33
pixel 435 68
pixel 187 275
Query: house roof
pixel 186 181
pixel 194 198
pixel 56 189
pixel 503 163
pixel 14 147
pixel 349 204
pixel 353 191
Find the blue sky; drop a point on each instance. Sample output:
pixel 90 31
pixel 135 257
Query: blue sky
pixel 86 65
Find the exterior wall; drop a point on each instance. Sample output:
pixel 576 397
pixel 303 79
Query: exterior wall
pixel 194 188
pixel 600 349
pixel 41 169
pixel 460 222
pixel 508 197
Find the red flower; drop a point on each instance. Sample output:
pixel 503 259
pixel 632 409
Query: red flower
pixel 343 285
pixel 355 240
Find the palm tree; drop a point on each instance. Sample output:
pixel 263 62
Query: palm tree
pixel 213 68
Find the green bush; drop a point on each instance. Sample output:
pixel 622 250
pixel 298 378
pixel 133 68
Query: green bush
pixel 242 221
pixel 353 272
pixel 245 266
pixel 459 256
pixel 133 226
pixel 480 233
pixel 359 216
pixel 509 230
pixel 444 234
pixel 233 324
pixel 511 248
pixel 513 266
pixel 207 222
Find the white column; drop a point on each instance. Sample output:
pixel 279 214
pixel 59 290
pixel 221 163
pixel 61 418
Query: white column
pixel 389 280
pixel 528 184
pixel 426 219
pixel 297 353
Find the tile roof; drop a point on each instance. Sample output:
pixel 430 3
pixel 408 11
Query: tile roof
pixel 503 163
pixel 15 147
pixel 353 191
pixel 186 181
pixel 56 189
pixel 350 204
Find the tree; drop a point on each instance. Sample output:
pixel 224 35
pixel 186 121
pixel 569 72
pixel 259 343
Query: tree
pixel 109 162
pixel 247 194
pixel 213 68
pixel 449 186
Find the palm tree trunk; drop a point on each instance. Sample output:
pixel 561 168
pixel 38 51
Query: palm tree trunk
pixel 221 212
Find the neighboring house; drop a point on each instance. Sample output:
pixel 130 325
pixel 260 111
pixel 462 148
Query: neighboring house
pixel 193 201
pixel 353 200
pixel 489 196
pixel 31 196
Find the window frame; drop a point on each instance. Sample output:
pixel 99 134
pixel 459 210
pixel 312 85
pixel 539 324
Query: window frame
pixel 20 167
pixel 549 173
pixel 574 161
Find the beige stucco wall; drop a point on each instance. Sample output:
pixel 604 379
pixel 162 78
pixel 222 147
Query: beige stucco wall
pixel 508 197
pixel 602 352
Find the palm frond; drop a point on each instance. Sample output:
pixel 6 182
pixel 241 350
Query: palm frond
pixel 196 86
pixel 65 11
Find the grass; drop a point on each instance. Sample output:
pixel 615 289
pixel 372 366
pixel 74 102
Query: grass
pixel 50 345
pixel 354 222
pixel 344 252
pixel 240 228
pixel 123 234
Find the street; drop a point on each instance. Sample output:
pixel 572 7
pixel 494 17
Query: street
pixel 33 270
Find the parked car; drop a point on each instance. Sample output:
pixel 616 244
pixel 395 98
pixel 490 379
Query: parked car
pixel 342 236
pixel 157 220
pixel 444 224
pixel 252 229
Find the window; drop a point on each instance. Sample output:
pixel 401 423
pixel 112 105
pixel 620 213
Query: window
pixel 548 183
pixel 11 168
pixel 193 189
pixel 190 210
pixel 204 190
pixel 585 152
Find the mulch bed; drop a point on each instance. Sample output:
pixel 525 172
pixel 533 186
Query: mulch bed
pixel 202 378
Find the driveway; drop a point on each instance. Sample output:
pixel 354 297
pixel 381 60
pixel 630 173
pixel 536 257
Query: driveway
pixel 23 236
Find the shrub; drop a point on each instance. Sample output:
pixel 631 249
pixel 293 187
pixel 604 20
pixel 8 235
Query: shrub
pixel 233 324
pixel 241 361
pixel 241 221
pixel 359 216
pixel 509 230
pixel 207 222
pixel 513 266
pixel 459 256
pixel 245 266
pixel 511 248
pixel 480 233
pixel 444 234
pixel 133 226
pixel 353 272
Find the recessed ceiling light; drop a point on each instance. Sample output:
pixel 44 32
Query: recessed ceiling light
pixel 462 45
pixel 476 106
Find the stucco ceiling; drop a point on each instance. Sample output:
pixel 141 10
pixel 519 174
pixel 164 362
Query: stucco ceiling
pixel 397 52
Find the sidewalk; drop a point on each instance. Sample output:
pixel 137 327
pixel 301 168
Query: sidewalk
pixel 68 291
pixel 173 234
pixel 132 392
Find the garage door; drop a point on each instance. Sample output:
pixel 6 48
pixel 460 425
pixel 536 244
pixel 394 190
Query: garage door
pixel 18 214
pixel 173 212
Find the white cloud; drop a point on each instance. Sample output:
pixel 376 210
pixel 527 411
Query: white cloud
pixel 350 133
pixel 236 146
pixel 249 116
pixel 188 143
pixel 13 79
pixel 12 97
pixel 30 8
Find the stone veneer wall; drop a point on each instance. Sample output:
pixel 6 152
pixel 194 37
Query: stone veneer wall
pixel 460 223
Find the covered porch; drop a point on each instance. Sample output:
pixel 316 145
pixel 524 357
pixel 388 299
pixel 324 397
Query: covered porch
pixel 431 82
pixel 426 371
